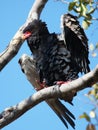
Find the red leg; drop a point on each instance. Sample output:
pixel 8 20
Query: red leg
pixel 62 82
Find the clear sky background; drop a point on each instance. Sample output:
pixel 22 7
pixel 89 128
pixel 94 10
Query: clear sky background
pixel 14 86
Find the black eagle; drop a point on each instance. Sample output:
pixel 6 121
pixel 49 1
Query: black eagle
pixel 59 57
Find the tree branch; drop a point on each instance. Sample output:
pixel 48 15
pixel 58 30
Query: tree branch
pixel 28 66
pixel 64 1
pixel 17 40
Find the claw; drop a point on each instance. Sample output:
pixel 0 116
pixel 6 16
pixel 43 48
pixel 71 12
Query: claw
pixel 62 82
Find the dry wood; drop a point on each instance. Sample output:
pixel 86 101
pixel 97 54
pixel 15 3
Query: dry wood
pixel 27 64
pixel 16 42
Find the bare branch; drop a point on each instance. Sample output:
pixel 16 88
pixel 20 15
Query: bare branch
pixel 27 64
pixel 36 9
pixel 11 50
pixel 17 40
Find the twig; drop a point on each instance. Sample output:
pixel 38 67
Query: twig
pixel 63 1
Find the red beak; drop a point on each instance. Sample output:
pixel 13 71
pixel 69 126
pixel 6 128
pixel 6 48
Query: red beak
pixel 26 35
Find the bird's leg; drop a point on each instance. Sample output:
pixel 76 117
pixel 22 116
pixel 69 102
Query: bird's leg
pixel 41 84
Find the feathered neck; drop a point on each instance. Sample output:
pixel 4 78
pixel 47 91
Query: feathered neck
pixel 42 29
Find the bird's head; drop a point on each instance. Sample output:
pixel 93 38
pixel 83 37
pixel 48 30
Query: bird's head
pixel 30 29
pixel 34 27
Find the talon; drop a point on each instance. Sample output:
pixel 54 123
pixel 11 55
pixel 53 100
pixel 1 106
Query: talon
pixel 62 82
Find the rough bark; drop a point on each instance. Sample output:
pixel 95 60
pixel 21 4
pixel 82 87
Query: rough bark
pixel 27 65
pixel 16 42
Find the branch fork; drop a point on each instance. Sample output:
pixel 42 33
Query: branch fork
pixel 28 67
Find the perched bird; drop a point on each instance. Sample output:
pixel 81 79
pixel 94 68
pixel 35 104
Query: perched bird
pixel 59 57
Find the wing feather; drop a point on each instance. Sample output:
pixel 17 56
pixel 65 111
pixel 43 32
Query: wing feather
pixel 76 41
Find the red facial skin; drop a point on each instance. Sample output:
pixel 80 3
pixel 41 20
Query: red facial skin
pixel 42 85
pixel 26 35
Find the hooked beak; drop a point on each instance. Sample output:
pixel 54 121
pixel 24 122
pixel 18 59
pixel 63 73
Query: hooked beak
pixel 26 35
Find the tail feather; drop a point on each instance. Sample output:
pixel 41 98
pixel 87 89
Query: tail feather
pixel 62 112
pixel 64 109
pixel 60 116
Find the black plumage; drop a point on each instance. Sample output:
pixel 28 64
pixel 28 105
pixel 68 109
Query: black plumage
pixel 59 57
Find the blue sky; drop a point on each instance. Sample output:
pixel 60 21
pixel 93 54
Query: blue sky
pixel 13 83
